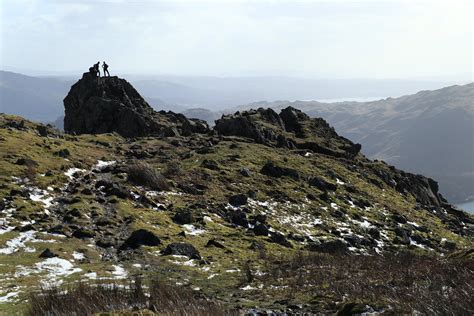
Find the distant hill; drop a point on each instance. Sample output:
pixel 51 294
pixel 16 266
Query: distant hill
pixel 430 132
pixel 34 98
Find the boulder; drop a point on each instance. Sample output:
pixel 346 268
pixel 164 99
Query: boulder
pixel 184 216
pixel 140 237
pixel 182 249
pixel 245 172
pixel 238 218
pixel 260 230
pixel 238 200
pixel 47 254
pixel 83 233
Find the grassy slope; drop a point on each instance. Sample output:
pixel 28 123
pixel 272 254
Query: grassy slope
pixel 220 277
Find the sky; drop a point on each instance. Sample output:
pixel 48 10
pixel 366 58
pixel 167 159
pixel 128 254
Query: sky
pixel 403 39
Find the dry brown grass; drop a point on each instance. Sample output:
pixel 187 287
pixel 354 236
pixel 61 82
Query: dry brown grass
pixel 402 282
pixel 87 299
pixel 141 173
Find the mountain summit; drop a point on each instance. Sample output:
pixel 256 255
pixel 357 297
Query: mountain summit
pixel 97 105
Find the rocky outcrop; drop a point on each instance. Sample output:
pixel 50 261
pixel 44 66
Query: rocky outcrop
pixel 110 104
pixel 291 129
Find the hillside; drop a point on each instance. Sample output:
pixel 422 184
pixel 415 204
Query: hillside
pixel 236 214
pixel 430 132
pixel 35 98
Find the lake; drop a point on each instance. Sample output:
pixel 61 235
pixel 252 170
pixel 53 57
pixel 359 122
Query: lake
pixel 468 206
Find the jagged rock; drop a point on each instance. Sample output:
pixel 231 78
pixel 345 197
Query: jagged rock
pixel 140 237
pixel 272 170
pixel 109 104
pixel 238 200
pixel 182 249
pixel 246 124
pixel 265 126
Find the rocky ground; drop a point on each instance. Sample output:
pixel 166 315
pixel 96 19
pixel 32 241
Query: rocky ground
pixel 201 208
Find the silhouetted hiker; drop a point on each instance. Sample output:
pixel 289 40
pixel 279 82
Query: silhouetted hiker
pixel 96 67
pixel 105 68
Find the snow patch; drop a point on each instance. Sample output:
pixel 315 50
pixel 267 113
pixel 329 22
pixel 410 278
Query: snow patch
pixel 78 255
pixel 69 173
pixel 119 272
pixel 101 164
pixel 8 297
pixel 18 243
pixel 193 230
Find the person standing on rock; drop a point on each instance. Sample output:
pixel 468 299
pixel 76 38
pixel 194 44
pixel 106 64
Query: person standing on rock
pixel 105 68
pixel 96 67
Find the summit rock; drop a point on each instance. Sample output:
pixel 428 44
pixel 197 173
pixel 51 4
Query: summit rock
pixel 110 104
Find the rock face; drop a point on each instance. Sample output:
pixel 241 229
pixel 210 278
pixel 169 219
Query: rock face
pixel 291 129
pixel 110 104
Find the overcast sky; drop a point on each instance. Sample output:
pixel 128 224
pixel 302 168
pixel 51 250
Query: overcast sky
pixel 326 39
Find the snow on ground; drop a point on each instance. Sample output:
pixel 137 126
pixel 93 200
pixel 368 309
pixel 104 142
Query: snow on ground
pixel 6 229
pixel 91 275
pixel 249 288
pixel 55 268
pixel 38 195
pixel 8 297
pixel 193 230
pixel 102 164
pixel 78 255
pixel 18 243
pixel 189 263
pixel 72 171
pixel 365 224
pixel 119 272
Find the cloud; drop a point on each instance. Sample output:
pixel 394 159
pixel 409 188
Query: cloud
pixel 319 38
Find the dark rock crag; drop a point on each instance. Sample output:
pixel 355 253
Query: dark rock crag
pixel 110 104
pixel 291 129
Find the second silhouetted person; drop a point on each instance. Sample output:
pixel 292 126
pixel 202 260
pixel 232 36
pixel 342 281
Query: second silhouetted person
pixel 105 68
